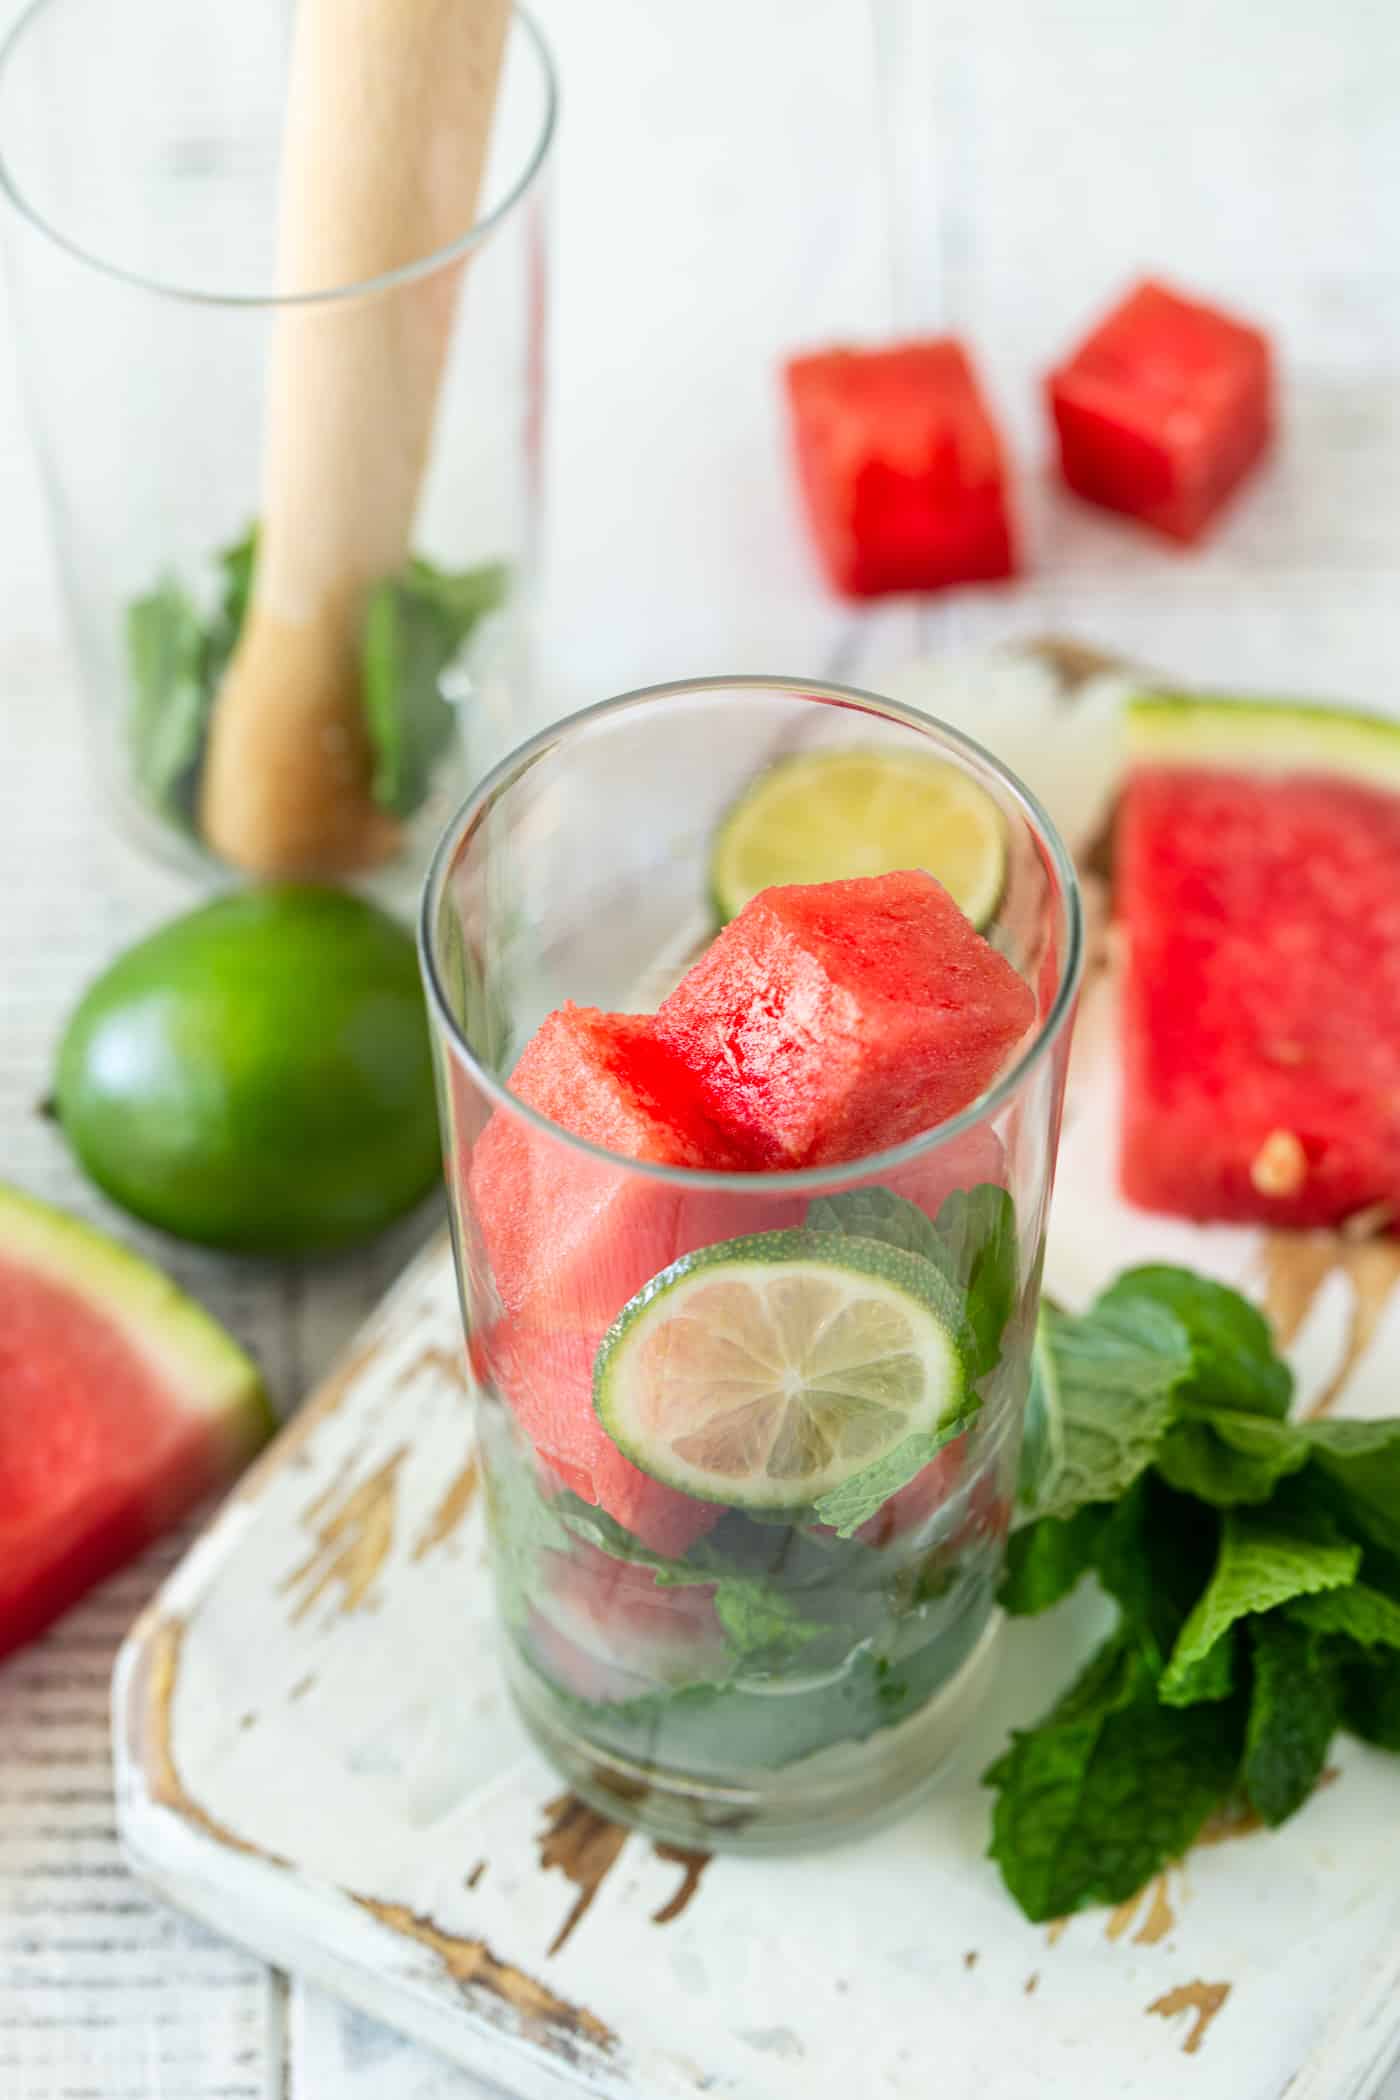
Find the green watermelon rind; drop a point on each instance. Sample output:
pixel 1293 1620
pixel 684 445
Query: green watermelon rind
pixel 199 1366
pixel 1274 737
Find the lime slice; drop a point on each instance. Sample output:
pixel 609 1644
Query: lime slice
pixel 829 815
pixel 764 1372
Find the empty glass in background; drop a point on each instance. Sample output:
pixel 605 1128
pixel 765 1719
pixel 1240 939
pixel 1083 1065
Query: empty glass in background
pixel 140 146
pixel 579 871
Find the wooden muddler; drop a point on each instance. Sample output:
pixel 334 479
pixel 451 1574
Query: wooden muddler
pixel 388 117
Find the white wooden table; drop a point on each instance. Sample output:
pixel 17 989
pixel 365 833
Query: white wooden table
pixel 723 195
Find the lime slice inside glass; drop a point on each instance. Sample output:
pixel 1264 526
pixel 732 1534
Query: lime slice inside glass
pixel 828 815
pixel 764 1372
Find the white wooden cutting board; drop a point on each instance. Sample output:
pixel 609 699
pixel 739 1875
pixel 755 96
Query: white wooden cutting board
pixel 315 1756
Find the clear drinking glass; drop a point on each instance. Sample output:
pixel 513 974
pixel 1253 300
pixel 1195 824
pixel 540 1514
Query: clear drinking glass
pixel 196 366
pixel 717 1677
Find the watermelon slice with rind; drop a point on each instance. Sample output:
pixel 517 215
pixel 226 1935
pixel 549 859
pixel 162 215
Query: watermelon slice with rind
pixel 121 1404
pixel 1258 886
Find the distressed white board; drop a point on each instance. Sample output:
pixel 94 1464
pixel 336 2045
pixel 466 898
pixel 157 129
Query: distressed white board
pixel 315 1755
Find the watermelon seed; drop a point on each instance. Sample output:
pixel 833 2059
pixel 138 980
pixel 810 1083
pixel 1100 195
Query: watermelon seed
pixel 1280 1166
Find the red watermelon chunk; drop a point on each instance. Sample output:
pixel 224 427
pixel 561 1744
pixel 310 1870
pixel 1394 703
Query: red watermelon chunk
pixel 570 1239
pixel 830 1020
pixel 1163 409
pixel 902 468
pixel 121 1404
pixel 547 1381
pixel 1261 1010
pixel 625 1623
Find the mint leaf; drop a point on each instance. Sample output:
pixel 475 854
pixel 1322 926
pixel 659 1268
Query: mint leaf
pixel 1233 1360
pixel 1152 1552
pixel 1363 1458
pixel 972 1243
pixel 1210 1676
pixel 1101 1402
pixel 414 624
pixel 1154 1559
pixel 1108 1789
pixel 760 1624
pixel 1370 1691
pixel 1229 1459
pixel 1047 1559
pixel 1261 1564
pixel 977 1228
pixel 170 699
pixel 236 565
pixel 847 1507
pixel 878 1214
pixel 1358 1612
pixel 1293 1714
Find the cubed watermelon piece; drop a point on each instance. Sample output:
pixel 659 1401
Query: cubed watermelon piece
pixel 902 468
pixel 830 1020
pixel 1261 1006
pixel 546 1378
pixel 569 1239
pixel 617 1615
pixel 1163 409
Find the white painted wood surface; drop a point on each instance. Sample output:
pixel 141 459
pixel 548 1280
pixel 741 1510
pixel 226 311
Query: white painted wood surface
pixel 315 1750
pixel 721 198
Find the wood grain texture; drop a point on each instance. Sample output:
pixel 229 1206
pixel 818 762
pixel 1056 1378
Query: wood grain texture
pixel 388 120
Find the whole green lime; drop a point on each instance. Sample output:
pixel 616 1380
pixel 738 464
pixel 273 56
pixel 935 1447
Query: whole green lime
pixel 257 1075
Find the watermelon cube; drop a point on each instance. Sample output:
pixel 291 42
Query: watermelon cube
pixel 1163 409
pixel 568 1238
pixel 607 1630
pixel 1261 1006
pixel 902 468
pixel 830 1020
pixel 547 1381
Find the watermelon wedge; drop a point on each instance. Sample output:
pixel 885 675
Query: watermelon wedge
pixel 833 1019
pixel 1258 883
pixel 121 1404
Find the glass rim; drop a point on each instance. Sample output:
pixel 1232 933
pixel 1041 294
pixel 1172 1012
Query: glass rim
pixel 407 273
pixel 799 1180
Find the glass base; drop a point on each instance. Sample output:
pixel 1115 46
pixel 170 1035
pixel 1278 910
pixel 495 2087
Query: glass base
pixel 824 1799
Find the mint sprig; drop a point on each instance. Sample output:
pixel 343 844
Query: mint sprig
pixel 415 623
pixel 1255 1563
pixel 1110 1784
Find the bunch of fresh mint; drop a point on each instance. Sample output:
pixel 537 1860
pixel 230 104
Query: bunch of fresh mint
pixel 414 625
pixel 1255 1563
